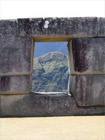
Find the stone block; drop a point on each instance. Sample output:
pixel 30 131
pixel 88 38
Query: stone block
pixel 88 55
pixel 72 27
pixel 101 27
pixel 88 90
pixel 15 84
pixel 32 105
pixel 15 52
pixel 0 107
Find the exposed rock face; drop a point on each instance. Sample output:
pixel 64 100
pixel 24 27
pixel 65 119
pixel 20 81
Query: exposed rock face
pixel 86 58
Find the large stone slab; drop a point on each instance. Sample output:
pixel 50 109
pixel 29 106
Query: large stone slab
pixel 72 27
pixel 15 84
pixel 15 52
pixel 88 90
pixel 88 55
pixel 0 107
pixel 101 27
pixel 31 105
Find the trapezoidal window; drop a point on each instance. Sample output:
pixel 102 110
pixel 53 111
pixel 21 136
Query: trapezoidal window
pixel 50 67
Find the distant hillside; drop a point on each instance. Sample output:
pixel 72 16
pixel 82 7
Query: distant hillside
pixel 50 73
pixel 46 47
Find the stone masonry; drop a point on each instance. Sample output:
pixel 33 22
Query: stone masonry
pixel 86 53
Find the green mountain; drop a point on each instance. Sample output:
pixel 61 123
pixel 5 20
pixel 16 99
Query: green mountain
pixel 50 73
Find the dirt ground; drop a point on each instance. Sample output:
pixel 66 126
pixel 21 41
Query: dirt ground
pixel 53 128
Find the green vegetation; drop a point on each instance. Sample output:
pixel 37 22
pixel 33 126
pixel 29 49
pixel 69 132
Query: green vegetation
pixel 50 73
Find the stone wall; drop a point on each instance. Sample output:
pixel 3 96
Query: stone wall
pixel 88 71
pixel 86 52
pixel 15 60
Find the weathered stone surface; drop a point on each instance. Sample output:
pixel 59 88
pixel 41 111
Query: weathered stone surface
pixel 14 84
pixel 32 104
pixel 73 27
pixel 88 55
pixel 101 27
pixel 88 90
pixel 15 52
pixel 0 107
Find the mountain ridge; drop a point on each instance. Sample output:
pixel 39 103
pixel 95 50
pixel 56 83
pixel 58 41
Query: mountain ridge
pixel 42 48
pixel 50 73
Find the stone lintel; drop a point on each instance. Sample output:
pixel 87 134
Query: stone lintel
pixel 46 27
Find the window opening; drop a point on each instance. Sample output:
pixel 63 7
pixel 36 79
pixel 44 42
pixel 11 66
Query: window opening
pixel 50 67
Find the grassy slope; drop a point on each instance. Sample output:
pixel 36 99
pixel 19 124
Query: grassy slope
pixel 50 73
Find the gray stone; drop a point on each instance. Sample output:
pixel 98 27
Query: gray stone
pixel 14 84
pixel 72 27
pixel 15 52
pixel 101 27
pixel 32 105
pixel 88 55
pixel 88 90
pixel 0 107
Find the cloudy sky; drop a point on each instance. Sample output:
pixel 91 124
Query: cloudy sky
pixel 11 9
